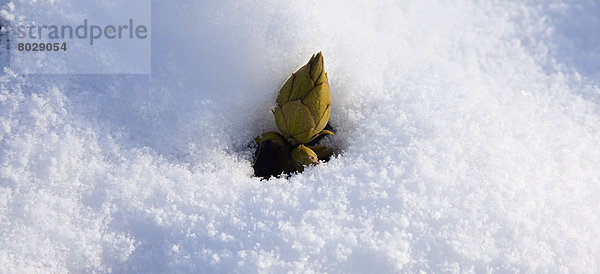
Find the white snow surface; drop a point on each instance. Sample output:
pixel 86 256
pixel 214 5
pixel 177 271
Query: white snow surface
pixel 468 135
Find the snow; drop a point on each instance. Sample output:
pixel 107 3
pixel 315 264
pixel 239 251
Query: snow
pixel 468 133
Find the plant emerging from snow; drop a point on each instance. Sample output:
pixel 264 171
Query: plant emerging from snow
pixel 302 112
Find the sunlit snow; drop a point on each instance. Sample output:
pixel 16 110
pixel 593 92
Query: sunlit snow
pixel 468 135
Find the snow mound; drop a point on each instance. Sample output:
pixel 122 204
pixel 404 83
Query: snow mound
pixel 469 135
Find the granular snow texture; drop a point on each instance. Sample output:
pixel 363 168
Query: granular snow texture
pixel 468 135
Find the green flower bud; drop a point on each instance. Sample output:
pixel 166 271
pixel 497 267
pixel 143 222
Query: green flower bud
pixel 304 103
pixel 303 156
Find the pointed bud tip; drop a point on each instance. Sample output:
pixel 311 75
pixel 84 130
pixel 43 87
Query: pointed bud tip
pixel 319 57
pixel 316 66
